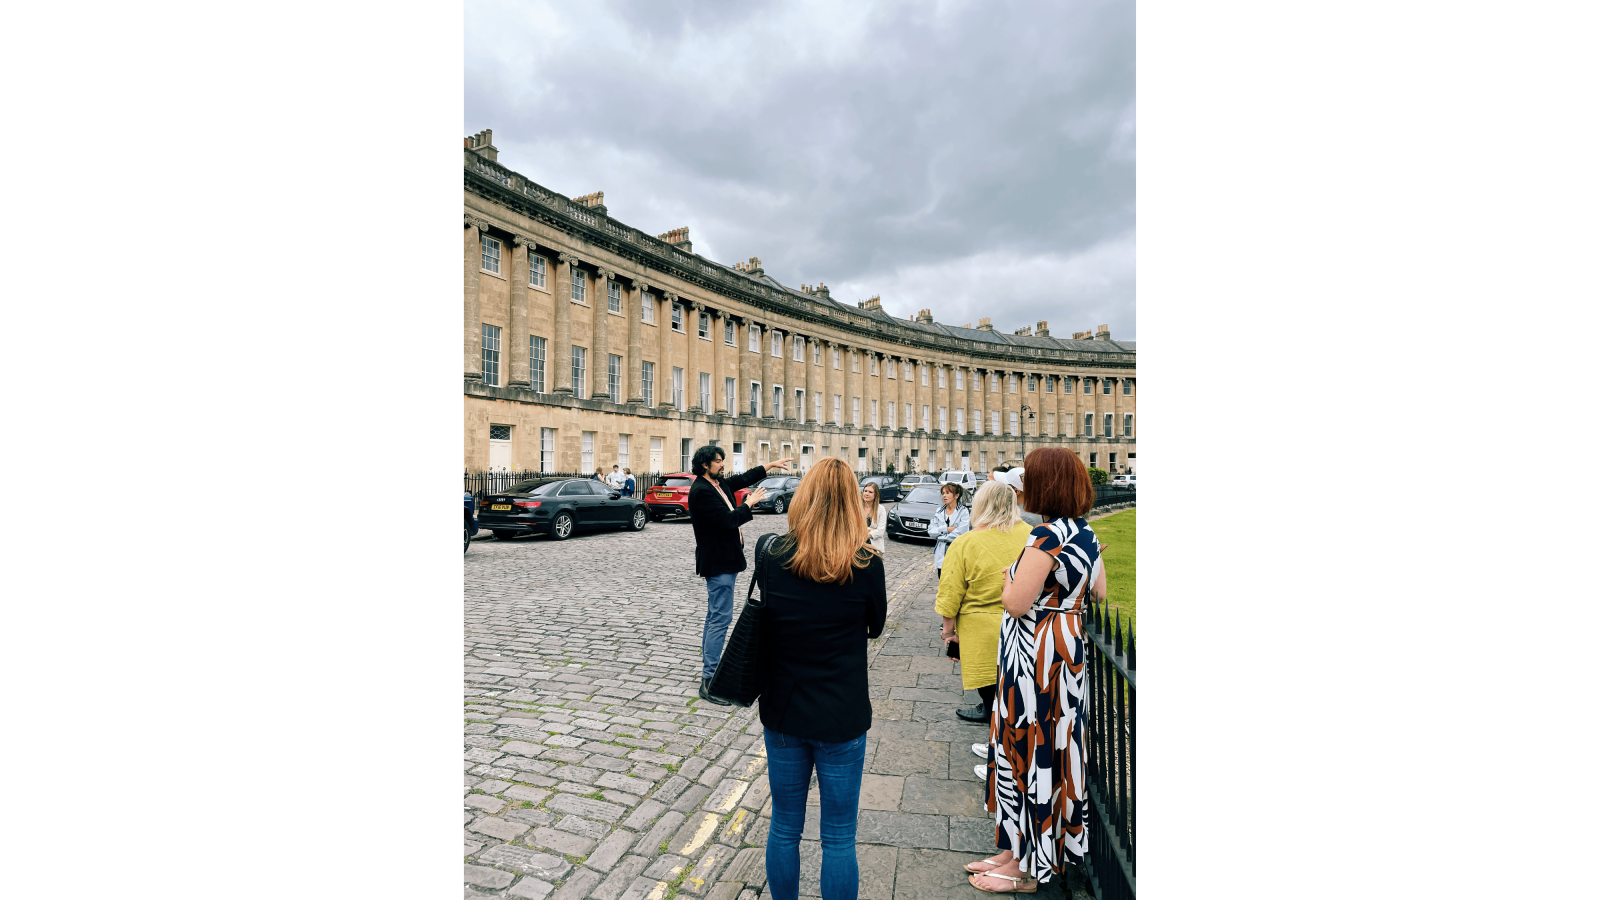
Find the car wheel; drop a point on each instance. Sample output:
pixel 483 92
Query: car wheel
pixel 777 506
pixel 505 535
pixel 468 533
pixel 561 528
pixel 638 519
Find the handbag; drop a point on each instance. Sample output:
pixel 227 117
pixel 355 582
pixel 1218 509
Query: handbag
pixel 741 674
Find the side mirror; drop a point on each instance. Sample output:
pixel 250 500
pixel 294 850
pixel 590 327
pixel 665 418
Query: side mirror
pixel 616 495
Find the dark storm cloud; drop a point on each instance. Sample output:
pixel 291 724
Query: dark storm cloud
pixel 972 158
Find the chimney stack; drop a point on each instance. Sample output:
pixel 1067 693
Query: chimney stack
pixel 678 236
pixel 1103 333
pixel 983 324
pixel 925 316
pixel 482 144
pixel 872 302
pixel 1043 330
pixel 1024 331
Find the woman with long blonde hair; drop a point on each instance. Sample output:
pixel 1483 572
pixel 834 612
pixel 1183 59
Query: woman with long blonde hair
pixel 825 598
pixel 876 514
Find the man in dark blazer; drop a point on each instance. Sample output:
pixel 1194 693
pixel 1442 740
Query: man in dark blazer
pixel 718 546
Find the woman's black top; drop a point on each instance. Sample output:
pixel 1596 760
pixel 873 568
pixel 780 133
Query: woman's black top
pixel 816 635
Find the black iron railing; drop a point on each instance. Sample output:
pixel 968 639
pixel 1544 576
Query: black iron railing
pixel 1111 687
pixel 482 484
pixel 1107 495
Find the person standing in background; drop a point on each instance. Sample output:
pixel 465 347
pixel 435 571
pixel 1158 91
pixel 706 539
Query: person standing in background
pixel 627 483
pixel 876 514
pixel 949 523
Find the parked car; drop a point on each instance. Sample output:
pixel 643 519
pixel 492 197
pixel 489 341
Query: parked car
pixel 888 486
pixel 908 482
pixel 1128 481
pixel 910 517
pixel 670 496
pixel 559 507
pixel 780 493
pixel 968 481
pixel 471 519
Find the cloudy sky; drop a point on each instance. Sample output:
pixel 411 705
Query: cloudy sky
pixel 975 159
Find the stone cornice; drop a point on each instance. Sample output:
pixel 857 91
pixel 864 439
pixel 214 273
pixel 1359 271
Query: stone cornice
pixel 499 185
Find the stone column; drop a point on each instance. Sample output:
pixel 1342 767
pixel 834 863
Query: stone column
pixel 941 395
pixel 472 333
pixel 1076 385
pixel 849 385
pixel 635 390
pixel 691 370
pixel 791 373
pixel 741 355
pixel 561 353
pixel 719 399
pixel 664 367
pixel 808 414
pixel 907 393
pixel 764 347
pixel 600 349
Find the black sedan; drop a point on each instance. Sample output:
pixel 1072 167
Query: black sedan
pixel 888 487
pixel 910 517
pixel 780 493
pixel 558 507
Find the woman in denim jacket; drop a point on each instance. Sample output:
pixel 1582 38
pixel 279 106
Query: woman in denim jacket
pixel 948 523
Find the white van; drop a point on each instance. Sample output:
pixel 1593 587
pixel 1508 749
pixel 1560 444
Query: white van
pixel 968 480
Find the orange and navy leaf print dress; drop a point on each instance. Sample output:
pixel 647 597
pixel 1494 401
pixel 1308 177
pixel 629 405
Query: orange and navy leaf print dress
pixel 1038 757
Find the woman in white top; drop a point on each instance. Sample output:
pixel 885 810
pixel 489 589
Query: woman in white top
pixel 877 516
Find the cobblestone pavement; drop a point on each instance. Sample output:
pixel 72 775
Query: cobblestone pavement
pixel 593 770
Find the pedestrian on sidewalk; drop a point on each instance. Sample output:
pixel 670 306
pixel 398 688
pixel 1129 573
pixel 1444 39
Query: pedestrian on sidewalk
pixel 876 515
pixel 1013 476
pixel 719 548
pixel 1039 797
pixel 950 522
pixel 616 479
pixel 969 598
pixel 628 484
pixel 826 598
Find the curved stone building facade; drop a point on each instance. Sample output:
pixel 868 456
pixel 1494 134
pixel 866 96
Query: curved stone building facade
pixel 588 343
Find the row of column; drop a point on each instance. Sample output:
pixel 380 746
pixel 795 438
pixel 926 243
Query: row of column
pixel 905 390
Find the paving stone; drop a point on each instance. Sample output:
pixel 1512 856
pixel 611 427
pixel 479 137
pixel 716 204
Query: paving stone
pixel 973 834
pixel 578 886
pixel 693 766
pixel 626 871
pixel 921 874
pixel 484 802
pixel 482 755
pixel 691 798
pixel 924 694
pixel 621 783
pixel 522 748
pixel 559 841
pixel 470 847
pixel 531 816
pixel 646 812
pixel 493 786
pixel 934 664
pixel 666 868
pixel 565 755
pixel 664 828
pixel 586 808
pixel 734 830
pixel 696 832
pixel 645 887
pixel 483 876
pixel 749 866
pixel 497 828
pixel 902 829
pixel 611 850
pixel 726 890
pixel 882 792
pixel 671 789
pixel 877 865
pixel 712 775
pixel 758 832
pixel 523 792
pixel 528 862
pixel 941 796
pixel 898 756
pixel 530 888
pixel 726 796
pixel 582 827
pixel 758 793
pixel 648 772
pixel 891 710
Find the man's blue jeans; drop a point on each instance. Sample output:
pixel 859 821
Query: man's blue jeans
pixel 789 763
pixel 719 612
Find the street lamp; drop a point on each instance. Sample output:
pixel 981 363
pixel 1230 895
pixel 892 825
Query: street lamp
pixel 1027 417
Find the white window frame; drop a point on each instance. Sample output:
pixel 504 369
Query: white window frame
pixel 586 462
pixel 923 373
pixel 905 371
pixel 705 391
pixel 777 344
pixel 836 358
pixel 1014 417
pixel 547 449
pixel 890 414
pixel 961 379
pixel 1011 382
pixel 537 272
pixel 799 350
pixel 1127 387
pixel 1088 384
pixel 1088 424
pixel 703 329
pixel 855 411
pixel 580 371
pixel 816 353
pixel 677 317
pixel 889 367
pixel 961 420
pixel 977 420
pixel 754 332
pixel 994 421
pixel 614 377
pixel 777 401
pixel 490 355
pixel 855 362
pixel 944 422
pixel 677 389
pixel 872 364
pixel 579 281
pixel 1109 423
pixel 755 399
pixel 994 382
pixel 536 362
pixel 800 404
pixel 647 308
pixel 727 332
pixel 491 255
pixel 1050 384
pixel 622 450
pixel 910 412
pixel 941 375
pixel 1127 424
pixel 838 409
pixel 927 417
pixel 816 405
pixel 614 296
pixel 730 391
pixel 874 413
pixel 647 382
pixel 1105 386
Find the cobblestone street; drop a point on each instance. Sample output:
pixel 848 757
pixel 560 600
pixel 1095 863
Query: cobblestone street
pixel 593 770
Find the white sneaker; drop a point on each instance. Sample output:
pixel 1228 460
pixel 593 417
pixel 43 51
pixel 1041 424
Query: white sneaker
pixel 981 751
pixel 981 770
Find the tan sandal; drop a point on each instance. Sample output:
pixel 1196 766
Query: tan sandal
pixel 1016 883
pixel 982 862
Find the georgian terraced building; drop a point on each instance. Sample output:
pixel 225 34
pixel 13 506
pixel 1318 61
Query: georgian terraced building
pixel 589 342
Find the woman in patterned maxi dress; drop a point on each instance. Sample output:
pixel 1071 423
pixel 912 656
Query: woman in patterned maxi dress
pixel 1036 778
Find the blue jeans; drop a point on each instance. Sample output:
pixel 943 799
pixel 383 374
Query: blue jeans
pixel 789 763
pixel 719 612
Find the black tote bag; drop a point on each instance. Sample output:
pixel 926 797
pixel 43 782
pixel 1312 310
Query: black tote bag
pixel 741 674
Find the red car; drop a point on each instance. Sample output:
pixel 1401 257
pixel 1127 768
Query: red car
pixel 670 496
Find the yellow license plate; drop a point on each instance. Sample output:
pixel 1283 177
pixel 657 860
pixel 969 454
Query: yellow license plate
pixel 501 506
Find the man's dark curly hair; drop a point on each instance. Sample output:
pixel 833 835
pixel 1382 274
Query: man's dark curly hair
pixel 704 457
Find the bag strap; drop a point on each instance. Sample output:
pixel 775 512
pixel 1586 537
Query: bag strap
pixel 760 574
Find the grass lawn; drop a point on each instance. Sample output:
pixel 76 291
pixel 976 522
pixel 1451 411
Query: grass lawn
pixel 1118 532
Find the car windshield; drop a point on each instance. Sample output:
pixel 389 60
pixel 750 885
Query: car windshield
pixel 772 483
pixel 926 493
pixel 676 482
pixel 536 488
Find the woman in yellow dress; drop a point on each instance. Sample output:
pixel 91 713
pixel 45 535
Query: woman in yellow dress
pixel 970 583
